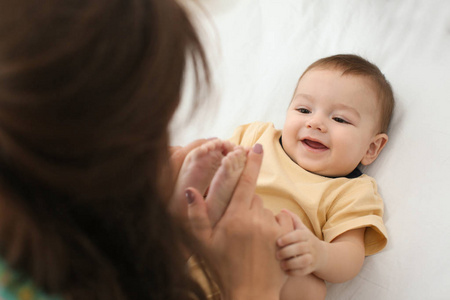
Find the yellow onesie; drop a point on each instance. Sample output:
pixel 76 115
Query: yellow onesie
pixel 327 206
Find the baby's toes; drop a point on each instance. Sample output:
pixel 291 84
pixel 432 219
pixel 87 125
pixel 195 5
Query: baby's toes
pixel 239 158
pixel 235 161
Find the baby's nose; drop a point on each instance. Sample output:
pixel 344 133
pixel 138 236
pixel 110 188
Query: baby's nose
pixel 316 123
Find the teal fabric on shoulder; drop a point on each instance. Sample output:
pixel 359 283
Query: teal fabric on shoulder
pixel 14 286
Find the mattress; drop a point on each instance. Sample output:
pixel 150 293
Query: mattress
pixel 257 51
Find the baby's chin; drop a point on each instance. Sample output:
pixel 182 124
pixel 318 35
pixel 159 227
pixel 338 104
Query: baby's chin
pixel 322 169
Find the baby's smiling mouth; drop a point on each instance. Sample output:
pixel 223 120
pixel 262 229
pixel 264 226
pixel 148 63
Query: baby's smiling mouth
pixel 314 145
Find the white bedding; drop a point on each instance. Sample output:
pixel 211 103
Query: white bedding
pixel 259 48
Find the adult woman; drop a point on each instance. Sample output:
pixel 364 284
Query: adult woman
pixel 87 89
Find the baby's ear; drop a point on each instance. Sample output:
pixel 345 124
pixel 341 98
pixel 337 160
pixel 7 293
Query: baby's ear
pixel 375 147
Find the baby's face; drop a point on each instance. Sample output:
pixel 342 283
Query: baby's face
pixel 332 123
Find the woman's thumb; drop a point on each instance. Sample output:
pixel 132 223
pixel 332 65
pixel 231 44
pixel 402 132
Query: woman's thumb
pixel 198 215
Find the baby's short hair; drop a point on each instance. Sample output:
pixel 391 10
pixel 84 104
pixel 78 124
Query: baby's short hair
pixel 351 64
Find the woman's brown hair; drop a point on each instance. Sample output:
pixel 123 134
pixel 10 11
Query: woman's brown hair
pixel 87 89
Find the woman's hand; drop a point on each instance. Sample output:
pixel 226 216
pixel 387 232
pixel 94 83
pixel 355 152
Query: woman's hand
pixel 206 163
pixel 242 245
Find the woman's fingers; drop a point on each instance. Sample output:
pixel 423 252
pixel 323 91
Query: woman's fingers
pixel 245 189
pixel 256 203
pixel 198 215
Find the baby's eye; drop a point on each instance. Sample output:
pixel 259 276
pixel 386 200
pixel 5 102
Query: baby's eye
pixel 303 110
pixel 340 120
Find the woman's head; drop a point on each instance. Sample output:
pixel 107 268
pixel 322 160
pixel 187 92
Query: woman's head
pixel 82 82
pixel 87 89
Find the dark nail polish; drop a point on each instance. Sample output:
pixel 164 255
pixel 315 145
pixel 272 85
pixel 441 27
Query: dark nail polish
pixel 257 148
pixel 189 196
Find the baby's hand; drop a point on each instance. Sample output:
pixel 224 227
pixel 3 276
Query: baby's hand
pixel 300 251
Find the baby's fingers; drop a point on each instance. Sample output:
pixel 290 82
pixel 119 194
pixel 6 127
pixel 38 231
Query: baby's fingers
pixel 296 236
pixel 298 224
pixel 292 251
pixel 298 266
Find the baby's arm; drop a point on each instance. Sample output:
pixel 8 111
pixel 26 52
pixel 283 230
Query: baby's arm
pixel 302 253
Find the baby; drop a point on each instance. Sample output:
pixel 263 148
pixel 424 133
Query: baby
pixel 337 120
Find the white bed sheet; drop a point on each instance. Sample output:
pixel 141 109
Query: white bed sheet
pixel 259 48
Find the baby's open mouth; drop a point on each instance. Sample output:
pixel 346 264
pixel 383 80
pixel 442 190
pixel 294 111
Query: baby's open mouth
pixel 314 144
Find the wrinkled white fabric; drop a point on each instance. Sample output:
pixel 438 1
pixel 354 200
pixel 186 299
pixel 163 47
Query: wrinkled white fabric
pixel 259 48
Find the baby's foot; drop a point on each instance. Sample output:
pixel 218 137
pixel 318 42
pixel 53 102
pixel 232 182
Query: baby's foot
pixel 197 171
pixel 224 183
